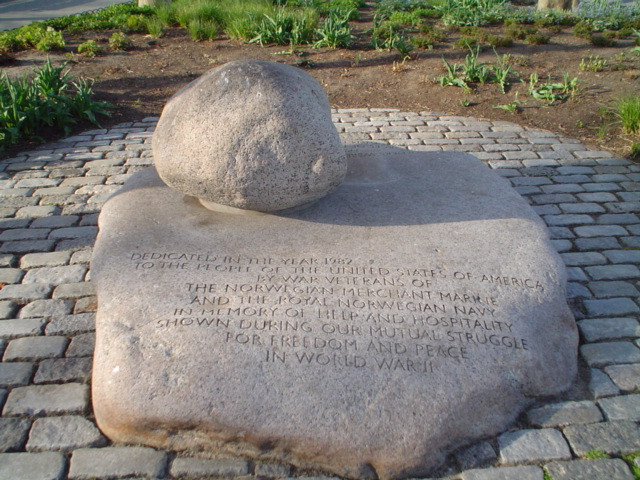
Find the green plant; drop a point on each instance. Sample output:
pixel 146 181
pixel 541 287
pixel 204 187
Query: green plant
pixel 472 12
pixel 119 41
pixel 552 92
pixel 537 39
pixel 519 32
pixel 428 38
pixel 202 29
pixel 465 102
pixel 593 63
pixel 451 77
pixel 595 454
pixel 627 109
pixel 599 40
pixel 498 41
pixel 464 43
pixel 391 36
pixel 50 99
pixel 502 71
pixel 631 458
pixel 335 33
pixel 155 27
pixel 634 154
pixel 474 71
pixel 283 28
pixel 513 106
pixel 583 30
pixel 90 48
pixel 50 40
pixel 546 475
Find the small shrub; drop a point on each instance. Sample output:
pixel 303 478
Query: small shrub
pixel 50 99
pixel 520 32
pixel 119 41
pixel 627 109
pixel 465 43
pixel 90 48
pixel 50 40
pixel 537 39
pixel 498 41
pixel 155 27
pixel 599 40
pixel 136 24
pixel 429 38
pixel 335 33
pixel 583 30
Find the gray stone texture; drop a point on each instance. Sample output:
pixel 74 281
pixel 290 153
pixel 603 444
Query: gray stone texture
pixel 599 329
pixel 478 455
pixel 533 445
pixel 15 374
pixel 602 468
pixel 364 223
pixel 32 466
pixel 47 399
pixel 69 325
pixel 22 327
pixel 13 433
pixel 200 467
pixel 626 377
pixel 528 472
pixel 56 275
pixel 250 134
pixel 35 348
pixel 625 407
pixel 600 385
pixel 64 433
pixel 613 438
pixel 46 308
pixel 567 413
pixel 87 463
pixel 606 353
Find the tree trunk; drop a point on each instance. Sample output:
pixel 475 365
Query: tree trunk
pixel 148 3
pixel 557 4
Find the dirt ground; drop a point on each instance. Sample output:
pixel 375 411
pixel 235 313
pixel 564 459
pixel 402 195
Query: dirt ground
pixel 139 82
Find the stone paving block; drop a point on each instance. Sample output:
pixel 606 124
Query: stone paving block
pixel 86 305
pixel 623 256
pixel 576 274
pixel 74 290
pixel 69 325
pixel 199 467
pixel 613 289
pixel 81 256
pixel 64 433
pixel 613 438
pixel 525 446
pixel 21 328
pixel 566 413
pixel 478 455
pixel 74 232
pixel 562 245
pixel 59 221
pixel 35 348
pixel 576 259
pixel 47 400
pixel 625 407
pixel 600 231
pixel 46 308
pixel 64 370
pixel 32 466
pixel 82 345
pixel 37 211
pixel 38 182
pixel 597 196
pixel 20 223
pixel 272 470
pixel 610 306
pixel 622 207
pixel 13 433
pixel 585 207
pixel 529 472
pixel 597 329
pixel 7 309
pixel 56 275
pixel 630 242
pixel 48 259
pixel 87 463
pixel 24 234
pixel 607 353
pixel 577 290
pixel 15 374
pixel 626 377
pixel 7 260
pixel 11 275
pixel 555 198
pixel 563 188
pixel 619 219
pixel 560 232
pixel 568 219
pixel 601 468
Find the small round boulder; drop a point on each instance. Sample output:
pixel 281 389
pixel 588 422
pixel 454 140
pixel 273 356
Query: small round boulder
pixel 252 135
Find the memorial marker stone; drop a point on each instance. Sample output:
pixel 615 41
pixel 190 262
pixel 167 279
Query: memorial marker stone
pixel 417 308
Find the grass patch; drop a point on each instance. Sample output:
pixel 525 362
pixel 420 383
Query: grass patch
pixel 596 454
pixel 627 109
pixel 50 99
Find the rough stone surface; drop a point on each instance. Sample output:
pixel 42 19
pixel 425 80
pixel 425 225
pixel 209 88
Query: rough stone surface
pixel 568 413
pixel 613 438
pixel 15 374
pixel 116 462
pixel 250 134
pixel 31 466
pixel 626 377
pixel 63 433
pixel 198 467
pixel 478 455
pixel 528 472
pixel 47 399
pixel 602 468
pixel 536 445
pixel 13 433
pixel 625 407
pixel 354 279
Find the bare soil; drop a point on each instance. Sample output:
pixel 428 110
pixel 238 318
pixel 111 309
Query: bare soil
pixel 139 82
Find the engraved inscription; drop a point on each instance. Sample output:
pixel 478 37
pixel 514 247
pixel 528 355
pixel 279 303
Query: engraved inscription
pixel 341 312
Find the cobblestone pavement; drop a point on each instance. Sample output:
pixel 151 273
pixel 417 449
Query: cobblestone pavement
pixel 50 199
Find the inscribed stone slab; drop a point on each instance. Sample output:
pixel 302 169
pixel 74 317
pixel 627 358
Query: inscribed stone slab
pixel 417 308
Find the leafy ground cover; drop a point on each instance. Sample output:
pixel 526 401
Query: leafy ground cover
pixel 576 73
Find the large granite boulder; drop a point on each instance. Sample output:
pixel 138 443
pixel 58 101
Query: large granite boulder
pixel 249 134
pixel 418 308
